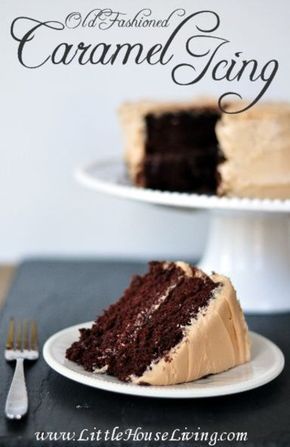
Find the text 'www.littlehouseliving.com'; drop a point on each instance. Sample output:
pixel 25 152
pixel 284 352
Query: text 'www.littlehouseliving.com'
pixel 138 434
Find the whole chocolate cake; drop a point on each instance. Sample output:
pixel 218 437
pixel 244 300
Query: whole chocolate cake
pixel 192 147
pixel 174 324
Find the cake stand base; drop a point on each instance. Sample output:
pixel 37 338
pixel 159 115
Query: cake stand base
pixel 253 249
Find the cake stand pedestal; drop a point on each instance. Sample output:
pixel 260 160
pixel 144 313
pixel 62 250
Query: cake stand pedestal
pixel 249 239
pixel 253 249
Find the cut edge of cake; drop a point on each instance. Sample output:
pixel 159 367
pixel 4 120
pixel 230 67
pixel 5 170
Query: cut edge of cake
pixel 216 340
pixel 132 118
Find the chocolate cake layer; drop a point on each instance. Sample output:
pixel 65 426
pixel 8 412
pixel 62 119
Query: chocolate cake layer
pixel 189 131
pixel 181 151
pixel 180 172
pixel 146 323
pixel 172 147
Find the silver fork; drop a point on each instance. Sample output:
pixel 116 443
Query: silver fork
pixel 22 344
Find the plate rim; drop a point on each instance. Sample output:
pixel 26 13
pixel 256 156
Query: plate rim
pixel 83 174
pixel 160 391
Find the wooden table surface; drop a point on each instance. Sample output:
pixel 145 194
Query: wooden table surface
pixel 6 276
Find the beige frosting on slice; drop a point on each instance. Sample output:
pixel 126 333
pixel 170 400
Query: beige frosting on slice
pixel 256 145
pixel 183 266
pixel 214 341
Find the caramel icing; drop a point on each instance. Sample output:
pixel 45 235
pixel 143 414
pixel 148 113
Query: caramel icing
pixel 256 145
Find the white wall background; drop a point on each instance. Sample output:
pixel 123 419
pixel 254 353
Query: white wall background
pixel 54 118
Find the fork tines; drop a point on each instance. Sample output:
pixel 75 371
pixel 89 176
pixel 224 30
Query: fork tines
pixel 22 336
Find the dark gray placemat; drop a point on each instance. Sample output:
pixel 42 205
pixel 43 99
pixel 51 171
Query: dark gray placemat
pixel 62 293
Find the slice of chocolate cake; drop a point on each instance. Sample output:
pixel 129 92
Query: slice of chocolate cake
pixel 175 324
pixel 172 146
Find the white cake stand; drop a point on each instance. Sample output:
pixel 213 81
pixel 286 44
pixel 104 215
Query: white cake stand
pixel 249 239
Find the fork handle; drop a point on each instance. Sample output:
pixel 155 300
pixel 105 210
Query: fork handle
pixel 17 400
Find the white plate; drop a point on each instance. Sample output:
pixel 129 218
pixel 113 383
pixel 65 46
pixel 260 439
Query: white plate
pixel 266 364
pixel 109 176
